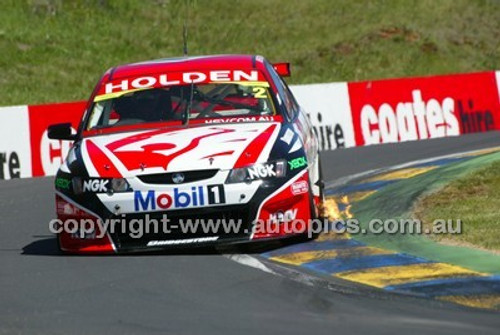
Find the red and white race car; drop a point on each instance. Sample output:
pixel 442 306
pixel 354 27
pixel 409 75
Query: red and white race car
pixel 188 152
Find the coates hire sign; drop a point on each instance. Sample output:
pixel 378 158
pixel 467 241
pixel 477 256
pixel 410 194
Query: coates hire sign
pixel 343 115
pixel 410 109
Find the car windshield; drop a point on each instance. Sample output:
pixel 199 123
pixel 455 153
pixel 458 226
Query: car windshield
pixel 171 103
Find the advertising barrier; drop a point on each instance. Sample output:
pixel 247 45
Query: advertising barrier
pixel 399 110
pixel 328 108
pixel 15 150
pixel 47 155
pixel 343 115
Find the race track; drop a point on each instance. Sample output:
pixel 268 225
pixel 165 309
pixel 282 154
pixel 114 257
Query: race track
pixel 42 291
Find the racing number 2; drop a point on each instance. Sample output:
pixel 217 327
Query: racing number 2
pixel 259 92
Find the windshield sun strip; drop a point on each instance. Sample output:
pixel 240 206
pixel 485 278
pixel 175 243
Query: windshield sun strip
pixel 113 95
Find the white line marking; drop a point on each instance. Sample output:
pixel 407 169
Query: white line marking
pixel 344 180
pixel 249 261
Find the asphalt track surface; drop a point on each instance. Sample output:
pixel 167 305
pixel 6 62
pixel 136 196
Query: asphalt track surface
pixel 203 292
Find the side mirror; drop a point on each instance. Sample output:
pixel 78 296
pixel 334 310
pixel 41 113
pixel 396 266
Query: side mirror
pixel 61 131
pixel 283 69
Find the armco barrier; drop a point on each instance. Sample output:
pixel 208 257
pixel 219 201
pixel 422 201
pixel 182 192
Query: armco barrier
pixel 343 115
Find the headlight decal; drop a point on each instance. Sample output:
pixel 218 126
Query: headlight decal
pixel 99 185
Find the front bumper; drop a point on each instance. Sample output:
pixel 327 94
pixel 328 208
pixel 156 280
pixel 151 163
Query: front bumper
pixel 258 219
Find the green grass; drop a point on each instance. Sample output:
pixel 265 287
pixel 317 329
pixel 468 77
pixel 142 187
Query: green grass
pixel 55 50
pixel 475 199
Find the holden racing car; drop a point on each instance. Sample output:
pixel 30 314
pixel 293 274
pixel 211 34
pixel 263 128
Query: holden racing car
pixel 171 142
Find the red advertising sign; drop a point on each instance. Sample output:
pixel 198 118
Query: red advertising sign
pixel 47 155
pixel 398 110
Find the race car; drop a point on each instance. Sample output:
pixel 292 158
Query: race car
pixel 184 152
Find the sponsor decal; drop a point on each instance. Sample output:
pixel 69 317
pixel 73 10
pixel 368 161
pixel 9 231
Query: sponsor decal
pixel 299 187
pixel 283 216
pixel 267 170
pixel 407 109
pixel 262 171
pixel 195 196
pixel 95 185
pixel 100 185
pixel 297 163
pixel 183 241
pixel 243 119
pixel 63 183
pixel 177 78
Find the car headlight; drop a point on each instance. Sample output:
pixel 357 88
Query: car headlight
pixel 261 171
pixel 119 185
pixel 99 185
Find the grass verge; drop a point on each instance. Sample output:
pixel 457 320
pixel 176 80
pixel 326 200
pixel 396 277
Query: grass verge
pixel 475 200
pixel 396 202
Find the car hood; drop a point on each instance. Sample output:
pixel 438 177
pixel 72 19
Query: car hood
pixel 178 149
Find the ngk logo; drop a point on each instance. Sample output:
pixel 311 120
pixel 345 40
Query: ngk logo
pixel 95 185
pixel 261 171
pixel 409 120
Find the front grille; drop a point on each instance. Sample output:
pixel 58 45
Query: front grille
pixel 124 238
pixel 166 178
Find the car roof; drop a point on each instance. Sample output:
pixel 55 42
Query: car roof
pixel 181 64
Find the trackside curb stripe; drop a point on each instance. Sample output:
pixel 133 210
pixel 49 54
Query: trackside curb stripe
pixel 327 256
pixel 452 286
pixel 383 259
pixel 327 245
pixel 481 301
pixel 393 275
